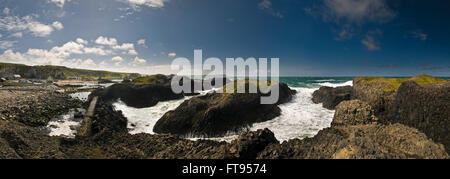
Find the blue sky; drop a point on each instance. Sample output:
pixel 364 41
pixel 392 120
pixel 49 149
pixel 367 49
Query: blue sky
pixel 311 37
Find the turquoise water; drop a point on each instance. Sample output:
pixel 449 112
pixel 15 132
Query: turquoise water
pixel 313 82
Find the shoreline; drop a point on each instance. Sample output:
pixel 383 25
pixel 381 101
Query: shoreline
pixel 111 126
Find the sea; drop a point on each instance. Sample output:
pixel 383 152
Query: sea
pixel 300 118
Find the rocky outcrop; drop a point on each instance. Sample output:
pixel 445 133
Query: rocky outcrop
pixel 140 95
pixel 21 141
pixel 217 114
pixel 426 108
pixel 33 106
pixel 375 94
pixel 145 91
pixel 331 97
pixel 353 112
pixel 249 144
pixel 358 136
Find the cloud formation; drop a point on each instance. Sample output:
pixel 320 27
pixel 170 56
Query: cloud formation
pixel 369 40
pixel 28 24
pixel 356 11
pixel 149 3
pixel 266 5
pixel 59 3
pixel 418 34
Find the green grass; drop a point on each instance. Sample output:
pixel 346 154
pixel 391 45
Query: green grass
pixel 153 79
pixel 394 83
pixel 15 84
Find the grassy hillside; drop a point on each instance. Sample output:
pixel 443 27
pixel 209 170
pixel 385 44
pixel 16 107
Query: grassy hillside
pixel 59 72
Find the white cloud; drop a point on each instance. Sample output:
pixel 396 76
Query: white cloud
pixel 81 41
pixel 418 34
pixel 138 61
pixel 370 42
pixel 10 56
pixel 26 24
pixel 6 11
pixel 132 52
pixel 266 5
pixel 4 44
pixel 17 35
pixel 149 3
pixel 357 11
pixel 97 51
pixel 172 54
pixel 57 25
pixel 59 3
pixel 124 46
pixel 77 54
pixel 142 42
pixel 69 48
pixel 117 59
pixel 106 41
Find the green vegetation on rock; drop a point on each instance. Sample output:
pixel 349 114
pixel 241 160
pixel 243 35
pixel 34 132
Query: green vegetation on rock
pixel 153 79
pixel 394 83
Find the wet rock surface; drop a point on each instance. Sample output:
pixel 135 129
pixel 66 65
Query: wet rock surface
pixel 139 95
pixel 34 106
pixel 331 97
pixel 358 136
pixel 216 114
pixel 356 132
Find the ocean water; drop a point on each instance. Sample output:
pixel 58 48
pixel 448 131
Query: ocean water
pixel 299 118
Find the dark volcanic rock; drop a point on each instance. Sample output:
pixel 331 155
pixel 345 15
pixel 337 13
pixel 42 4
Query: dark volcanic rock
pixel 426 108
pixel 140 95
pixel 215 114
pixel 20 141
pixel 331 97
pixel 355 134
pixel 34 107
pixel 352 113
pixel 374 94
pixel 249 144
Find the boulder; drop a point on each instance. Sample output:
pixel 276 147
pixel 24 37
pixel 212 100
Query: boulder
pixel 376 93
pixel 217 114
pixel 331 97
pixel 249 144
pixel 426 108
pixel 352 113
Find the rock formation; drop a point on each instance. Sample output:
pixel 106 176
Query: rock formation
pixel 216 114
pixel 331 97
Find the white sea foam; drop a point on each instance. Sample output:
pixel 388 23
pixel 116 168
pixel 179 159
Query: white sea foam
pixel 299 118
pixel 65 125
pixel 142 120
pixel 348 83
pixel 83 96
